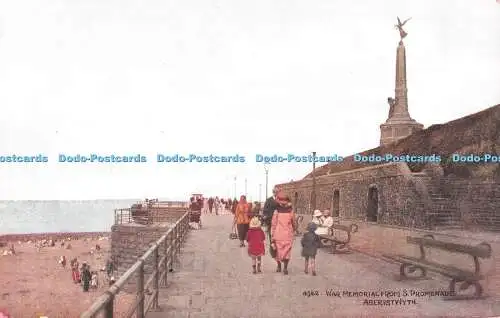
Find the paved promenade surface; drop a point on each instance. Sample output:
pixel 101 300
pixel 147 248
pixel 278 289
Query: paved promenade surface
pixel 214 279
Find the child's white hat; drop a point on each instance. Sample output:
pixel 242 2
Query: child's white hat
pixel 255 222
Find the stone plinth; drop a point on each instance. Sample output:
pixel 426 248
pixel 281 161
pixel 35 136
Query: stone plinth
pixel 393 131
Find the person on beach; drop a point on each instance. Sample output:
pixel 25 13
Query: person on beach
pixel 62 261
pixel 255 239
pixel 310 243
pixel 242 219
pixel 86 277
pixel 282 231
pixel 110 267
pixel 75 273
pixel 94 282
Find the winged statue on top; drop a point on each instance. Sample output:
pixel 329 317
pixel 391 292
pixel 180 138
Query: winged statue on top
pixel 399 26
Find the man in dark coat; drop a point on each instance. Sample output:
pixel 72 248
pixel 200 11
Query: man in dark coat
pixel 269 207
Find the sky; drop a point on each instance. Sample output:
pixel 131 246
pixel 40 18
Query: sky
pixel 224 78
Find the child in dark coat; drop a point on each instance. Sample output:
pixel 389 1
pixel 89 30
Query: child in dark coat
pixel 310 244
pixel 255 238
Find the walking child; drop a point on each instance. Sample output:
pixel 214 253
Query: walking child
pixel 255 238
pixel 310 244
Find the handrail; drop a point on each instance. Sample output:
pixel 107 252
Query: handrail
pixel 171 243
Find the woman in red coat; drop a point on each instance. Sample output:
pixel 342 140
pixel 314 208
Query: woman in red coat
pixel 255 238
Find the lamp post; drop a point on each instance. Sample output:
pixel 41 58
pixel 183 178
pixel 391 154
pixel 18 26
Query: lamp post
pixel 266 168
pixel 235 195
pixel 313 199
pixel 260 192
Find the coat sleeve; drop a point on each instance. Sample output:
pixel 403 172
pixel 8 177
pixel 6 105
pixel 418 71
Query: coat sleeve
pixel 317 240
pixel 302 241
pixel 237 214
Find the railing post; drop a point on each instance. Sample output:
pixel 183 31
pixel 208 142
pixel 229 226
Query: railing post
pixel 171 253
pixel 177 239
pixel 140 291
pixel 108 310
pixel 165 264
pixel 157 277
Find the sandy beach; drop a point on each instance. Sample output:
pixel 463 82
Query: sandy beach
pixel 34 284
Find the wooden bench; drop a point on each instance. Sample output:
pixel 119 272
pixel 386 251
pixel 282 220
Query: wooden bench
pixel 337 244
pixel 417 267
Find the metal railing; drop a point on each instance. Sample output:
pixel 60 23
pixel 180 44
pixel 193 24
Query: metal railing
pixel 171 243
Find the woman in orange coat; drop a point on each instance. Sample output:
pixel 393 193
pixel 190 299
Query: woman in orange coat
pixel 242 219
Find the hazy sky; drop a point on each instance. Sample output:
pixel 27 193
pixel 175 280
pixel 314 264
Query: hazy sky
pixel 223 77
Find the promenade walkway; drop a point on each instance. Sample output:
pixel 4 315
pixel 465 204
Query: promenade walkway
pixel 213 279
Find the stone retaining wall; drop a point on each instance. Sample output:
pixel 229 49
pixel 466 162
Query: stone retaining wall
pixel 420 200
pixel 129 242
pixel 400 198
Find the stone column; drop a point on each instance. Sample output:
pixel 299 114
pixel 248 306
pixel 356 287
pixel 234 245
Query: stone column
pixel 401 90
pixel 399 123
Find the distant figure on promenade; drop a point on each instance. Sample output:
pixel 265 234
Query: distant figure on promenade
pixel 310 244
pixel 233 207
pixel 205 206
pixel 210 204
pixel 242 219
pixel 200 204
pixel 269 207
pixel 194 205
pixel 217 205
pixel 325 222
pixel 256 209
pixel 282 231
pixel 86 277
pixel 250 210
pixel 256 238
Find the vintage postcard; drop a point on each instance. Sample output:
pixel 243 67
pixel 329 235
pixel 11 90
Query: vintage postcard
pixel 232 158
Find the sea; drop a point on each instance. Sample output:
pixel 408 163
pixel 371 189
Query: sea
pixel 20 217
